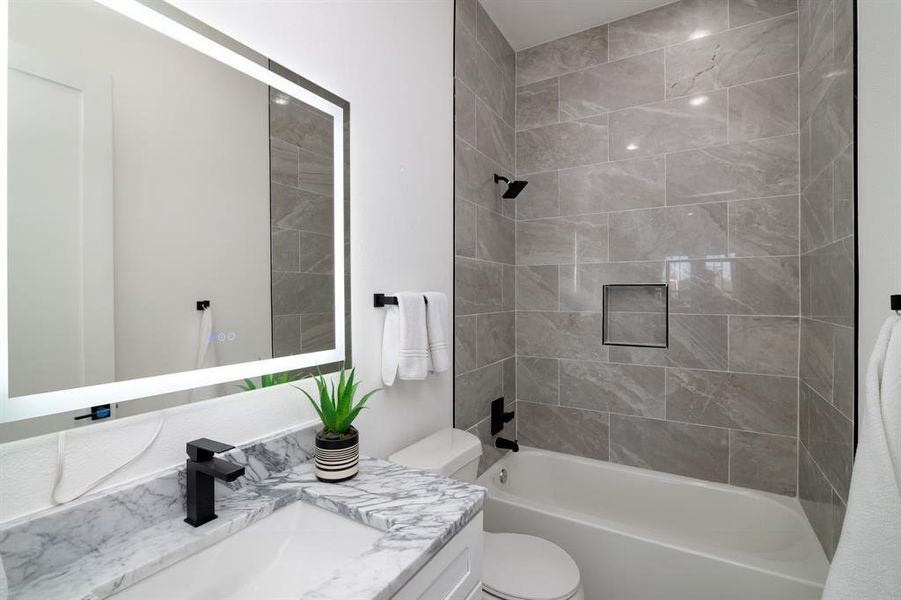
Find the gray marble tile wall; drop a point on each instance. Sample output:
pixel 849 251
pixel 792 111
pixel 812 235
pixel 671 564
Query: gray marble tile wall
pixel 484 229
pixel 827 378
pixel 664 148
pixel 302 234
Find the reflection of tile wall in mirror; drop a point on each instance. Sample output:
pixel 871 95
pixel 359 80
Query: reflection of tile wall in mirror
pixel 301 170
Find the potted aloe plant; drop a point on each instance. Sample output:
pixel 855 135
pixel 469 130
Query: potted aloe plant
pixel 338 442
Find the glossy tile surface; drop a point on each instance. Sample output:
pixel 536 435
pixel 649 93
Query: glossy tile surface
pixel 473 393
pixel 563 145
pixel 743 12
pixel 494 337
pixel 764 462
pixel 668 126
pixel 613 186
pixel 562 240
pixel 474 177
pixel 464 112
pixel 759 403
pixel 612 86
pixel 479 286
pixel 680 448
pixel 537 380
pixel 563 429
pixel 763 109
pixel 494 136
pixel 537 104
pixel 830 442
pixel 721 115
pixel 760 51
pixel 764 345
pixel 464 228
pixel 669 24
pixel 741 286
pixel 537 288
pixel 660 233
pixel 560 335
pixel 540 198
pixel 582 286
pixel 494 237
pixel 756 169
pixel 764 227
pixel 695 341
pixel 563 55
pixel 464 344
pixel 625 389
pixel 815 495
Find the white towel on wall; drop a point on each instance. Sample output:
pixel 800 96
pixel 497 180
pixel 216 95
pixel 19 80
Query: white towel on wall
pixel 436 318
pixel 867 563
pixel 405 347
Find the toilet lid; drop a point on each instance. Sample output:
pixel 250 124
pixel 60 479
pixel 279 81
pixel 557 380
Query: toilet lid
pixel 525 567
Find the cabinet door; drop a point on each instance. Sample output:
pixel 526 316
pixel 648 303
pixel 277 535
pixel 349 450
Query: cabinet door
pixel 455 573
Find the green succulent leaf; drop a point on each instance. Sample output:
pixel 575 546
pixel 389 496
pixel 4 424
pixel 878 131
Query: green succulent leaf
pixel 313 402
pixel 336 408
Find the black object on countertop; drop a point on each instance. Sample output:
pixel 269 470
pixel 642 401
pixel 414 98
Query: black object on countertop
pixel 202 470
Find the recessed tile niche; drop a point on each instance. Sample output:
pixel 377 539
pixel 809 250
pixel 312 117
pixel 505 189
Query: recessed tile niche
pixel 636 315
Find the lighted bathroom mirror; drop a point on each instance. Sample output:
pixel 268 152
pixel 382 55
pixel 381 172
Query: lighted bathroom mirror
pixel 176 212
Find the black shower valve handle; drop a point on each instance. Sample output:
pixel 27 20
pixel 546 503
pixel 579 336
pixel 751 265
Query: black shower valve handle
pixel 499 416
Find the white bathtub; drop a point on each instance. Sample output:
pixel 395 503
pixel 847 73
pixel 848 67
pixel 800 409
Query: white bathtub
pixel 639 534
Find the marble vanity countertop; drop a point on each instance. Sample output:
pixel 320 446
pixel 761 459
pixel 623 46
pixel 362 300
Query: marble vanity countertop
pixel 417 511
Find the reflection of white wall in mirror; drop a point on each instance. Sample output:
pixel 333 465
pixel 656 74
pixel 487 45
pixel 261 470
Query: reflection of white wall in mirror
pixel 191 186
pixel 60 209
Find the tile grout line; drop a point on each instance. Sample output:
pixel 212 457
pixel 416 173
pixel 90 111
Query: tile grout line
pixel 653 103
pixel 663 48
pixel 783 436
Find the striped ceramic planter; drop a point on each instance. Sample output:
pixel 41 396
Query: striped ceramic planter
pixel 337 458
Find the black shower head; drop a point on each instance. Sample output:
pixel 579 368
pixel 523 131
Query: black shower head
pixel 513 187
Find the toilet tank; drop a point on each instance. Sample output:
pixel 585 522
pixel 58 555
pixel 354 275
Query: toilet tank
pixel 451 452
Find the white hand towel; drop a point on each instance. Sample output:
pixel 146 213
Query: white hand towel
pixel 390 344
pixel 866 564
pixel 405 347
pixel 436 317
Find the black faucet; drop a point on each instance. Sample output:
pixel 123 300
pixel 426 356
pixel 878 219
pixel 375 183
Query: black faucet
pixel 202 470
pixel 505 444
pixel 498 418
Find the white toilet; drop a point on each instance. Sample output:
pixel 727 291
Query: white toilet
pixel 514 566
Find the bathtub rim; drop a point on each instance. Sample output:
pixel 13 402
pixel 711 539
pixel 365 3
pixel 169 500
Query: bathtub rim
pixel 785 503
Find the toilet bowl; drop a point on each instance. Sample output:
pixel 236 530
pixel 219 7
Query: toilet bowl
pixel 514 566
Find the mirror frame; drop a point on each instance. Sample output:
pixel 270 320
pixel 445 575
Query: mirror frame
pixel 183 28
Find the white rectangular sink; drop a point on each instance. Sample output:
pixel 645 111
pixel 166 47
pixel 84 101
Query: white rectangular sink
pixel 281 556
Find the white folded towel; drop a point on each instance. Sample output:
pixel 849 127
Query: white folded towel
pixel 405 347
pixel 436 318
pixel 867 563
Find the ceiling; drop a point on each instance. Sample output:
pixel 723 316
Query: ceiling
pixel 527 23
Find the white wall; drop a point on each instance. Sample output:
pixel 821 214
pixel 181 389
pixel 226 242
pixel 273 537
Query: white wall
pixel 392 59
pixel 879 168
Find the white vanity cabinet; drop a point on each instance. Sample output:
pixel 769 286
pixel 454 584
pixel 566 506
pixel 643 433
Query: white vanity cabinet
pixel 455 573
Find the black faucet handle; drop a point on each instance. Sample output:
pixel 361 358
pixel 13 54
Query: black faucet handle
pixel 203 449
